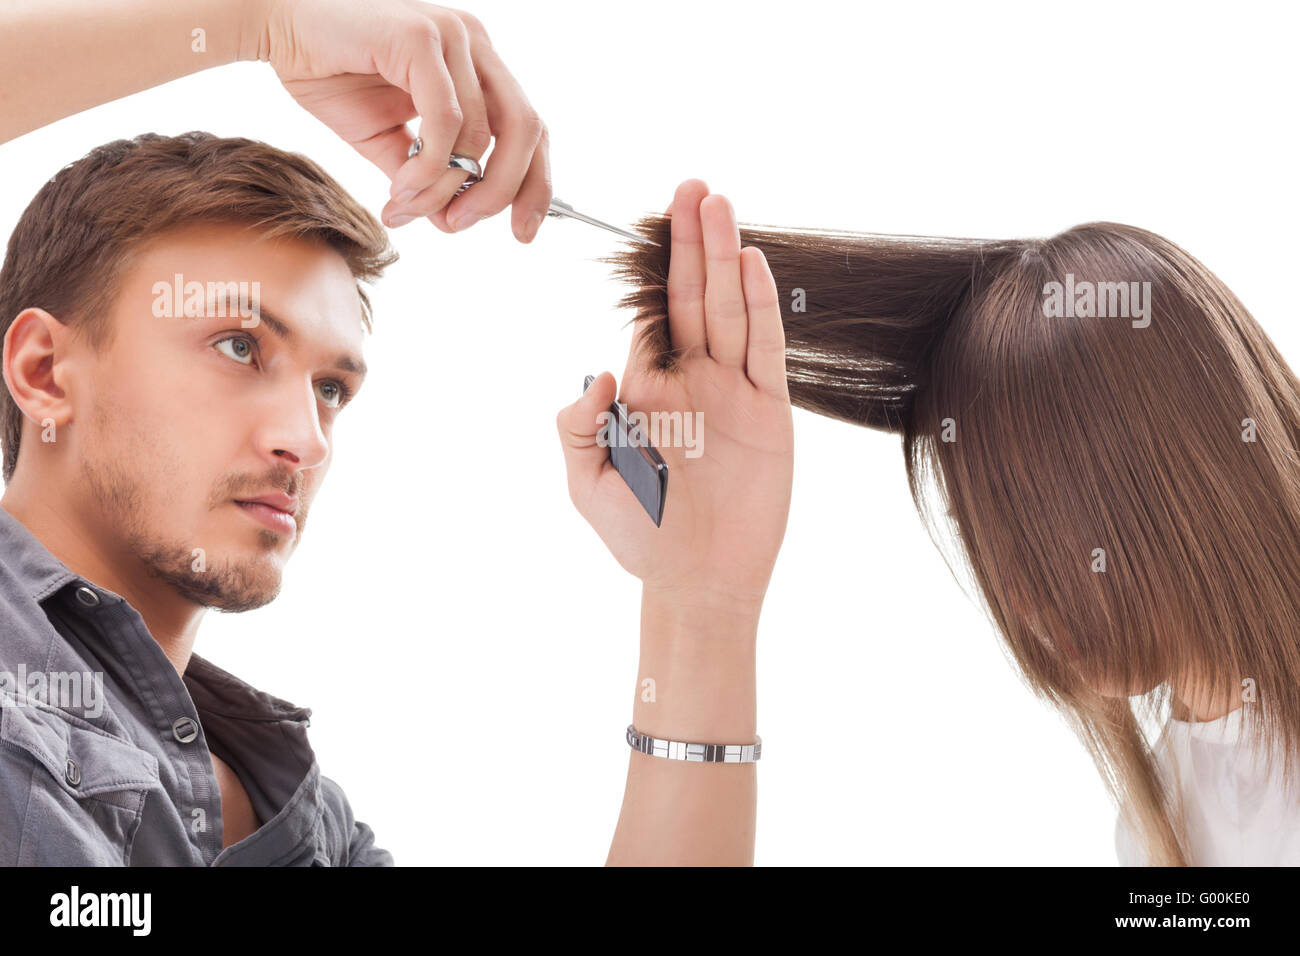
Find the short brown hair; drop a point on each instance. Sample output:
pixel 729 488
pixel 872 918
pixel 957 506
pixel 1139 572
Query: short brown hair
pixel 75 239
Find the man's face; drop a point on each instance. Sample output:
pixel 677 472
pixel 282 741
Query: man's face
pixel 183 421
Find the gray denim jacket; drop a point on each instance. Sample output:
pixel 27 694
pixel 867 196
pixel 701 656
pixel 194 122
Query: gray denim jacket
pixel 105 749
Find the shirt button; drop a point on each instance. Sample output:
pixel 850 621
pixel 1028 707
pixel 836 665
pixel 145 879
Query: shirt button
pixel 73 773
pixel 184 729
pixel 87 596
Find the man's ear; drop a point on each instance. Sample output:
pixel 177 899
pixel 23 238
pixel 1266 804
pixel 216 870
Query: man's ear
pixel 34 347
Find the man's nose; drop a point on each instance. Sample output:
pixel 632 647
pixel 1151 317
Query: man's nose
pixel 291 431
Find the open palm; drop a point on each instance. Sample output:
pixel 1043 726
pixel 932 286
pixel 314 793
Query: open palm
pixel 728 500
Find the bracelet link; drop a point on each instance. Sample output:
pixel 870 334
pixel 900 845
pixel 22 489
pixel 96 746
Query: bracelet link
pixel 695 753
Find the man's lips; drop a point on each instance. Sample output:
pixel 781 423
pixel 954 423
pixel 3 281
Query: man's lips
pixel 277 500
pixel 272 511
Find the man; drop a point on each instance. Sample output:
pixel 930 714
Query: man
pixel 364 72
pixel 161 454
pixel 182 326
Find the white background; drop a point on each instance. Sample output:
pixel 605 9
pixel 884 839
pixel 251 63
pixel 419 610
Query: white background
pixel 468 646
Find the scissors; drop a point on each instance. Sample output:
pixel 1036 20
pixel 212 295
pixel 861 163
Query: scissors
pixel 559 208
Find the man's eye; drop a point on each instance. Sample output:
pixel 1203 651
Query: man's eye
pixel 241 349
pixel 333 394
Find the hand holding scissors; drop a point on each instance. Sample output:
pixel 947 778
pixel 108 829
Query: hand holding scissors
pixel 559 208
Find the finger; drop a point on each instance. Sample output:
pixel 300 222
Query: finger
pixel 475 131
pixel 580 425
pixel 431 202
pixel 388 150
pixel 518 130
pixel 686 271
pixel 421 70
pixel 473 140
pixel 765 353
pixel 535 194
pixel 725 321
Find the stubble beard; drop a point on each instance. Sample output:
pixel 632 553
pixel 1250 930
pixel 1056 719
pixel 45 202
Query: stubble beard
pixel 223 584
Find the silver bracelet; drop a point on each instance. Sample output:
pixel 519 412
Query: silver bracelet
pixel 706 753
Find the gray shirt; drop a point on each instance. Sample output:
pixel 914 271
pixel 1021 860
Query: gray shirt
pixel 105 749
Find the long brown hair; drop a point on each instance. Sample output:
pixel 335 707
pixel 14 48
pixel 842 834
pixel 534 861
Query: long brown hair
pixel 1125 490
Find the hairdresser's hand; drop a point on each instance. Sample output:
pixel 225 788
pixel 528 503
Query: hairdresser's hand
pixel 366 69
pixel 727 504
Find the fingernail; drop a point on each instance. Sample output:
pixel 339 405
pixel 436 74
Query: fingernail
pixel 531 226
pixel 405 196
pixel 399 221
pixel 462 219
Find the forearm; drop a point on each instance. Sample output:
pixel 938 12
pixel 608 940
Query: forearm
pixel 59 57
pixel 675 812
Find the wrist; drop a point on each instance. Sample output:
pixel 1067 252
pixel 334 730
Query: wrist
pixel 704 609
pixel 697 691
pixel 696 674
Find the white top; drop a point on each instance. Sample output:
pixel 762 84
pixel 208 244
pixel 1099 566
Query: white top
pixel 1236 816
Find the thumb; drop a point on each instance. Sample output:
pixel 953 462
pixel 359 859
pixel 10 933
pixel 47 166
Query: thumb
pixel 579 425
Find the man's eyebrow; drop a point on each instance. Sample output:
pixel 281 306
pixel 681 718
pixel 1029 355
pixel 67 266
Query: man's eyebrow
pixel 282 329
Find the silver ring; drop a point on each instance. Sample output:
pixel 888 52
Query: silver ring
pixel 471 167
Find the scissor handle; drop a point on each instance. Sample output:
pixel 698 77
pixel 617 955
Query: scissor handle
pixel 471 168
pixel 473 171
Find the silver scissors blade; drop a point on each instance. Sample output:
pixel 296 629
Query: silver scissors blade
pixel 561 208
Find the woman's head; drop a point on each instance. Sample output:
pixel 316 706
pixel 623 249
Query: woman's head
pixel 1132 481
pixel 1104 428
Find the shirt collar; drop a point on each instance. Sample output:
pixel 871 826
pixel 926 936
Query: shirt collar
pixel 216 691
pixel 38 573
